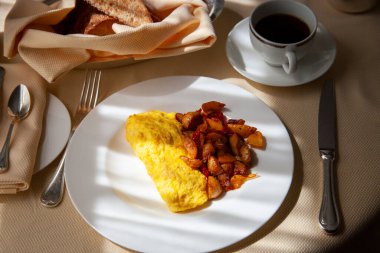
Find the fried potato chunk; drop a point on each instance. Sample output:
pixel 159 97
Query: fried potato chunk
pixel 220 148
pixel 212 106
pixel 256 140
pixel 214 189
pixel 242 130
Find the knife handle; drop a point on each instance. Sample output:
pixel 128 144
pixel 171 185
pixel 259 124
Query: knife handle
pixel 329 216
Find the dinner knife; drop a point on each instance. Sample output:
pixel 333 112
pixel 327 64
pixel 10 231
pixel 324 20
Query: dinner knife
pixel 2 73
pixel 329 218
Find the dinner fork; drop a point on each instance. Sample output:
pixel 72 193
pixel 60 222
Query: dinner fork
pixel 53 193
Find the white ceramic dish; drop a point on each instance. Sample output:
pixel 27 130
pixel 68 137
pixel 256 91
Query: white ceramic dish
pixel 99 160
pixel 247 61
pixel 55 134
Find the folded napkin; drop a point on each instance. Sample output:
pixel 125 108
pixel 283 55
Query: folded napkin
pixel 184 27
pixel 26 133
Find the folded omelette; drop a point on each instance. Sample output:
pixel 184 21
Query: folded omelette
pixel 155 137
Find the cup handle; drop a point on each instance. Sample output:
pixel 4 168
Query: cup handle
pixel 291 66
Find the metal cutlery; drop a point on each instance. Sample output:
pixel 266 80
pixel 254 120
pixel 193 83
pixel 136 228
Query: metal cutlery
pixel 52 195
pixel 329 215
pixel 18 109
pixel 2 74
pixel 215 8
pixel 50 2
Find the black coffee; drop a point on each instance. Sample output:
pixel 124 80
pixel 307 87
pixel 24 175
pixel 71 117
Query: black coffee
pixel 282 28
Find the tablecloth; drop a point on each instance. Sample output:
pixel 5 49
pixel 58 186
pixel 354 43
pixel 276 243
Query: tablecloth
pixel 26 226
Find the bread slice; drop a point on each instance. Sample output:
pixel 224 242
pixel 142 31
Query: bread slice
pixel 128 12
pixel 86 19
pixel 100 24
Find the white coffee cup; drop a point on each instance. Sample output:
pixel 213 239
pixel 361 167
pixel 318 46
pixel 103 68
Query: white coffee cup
pixel 282 49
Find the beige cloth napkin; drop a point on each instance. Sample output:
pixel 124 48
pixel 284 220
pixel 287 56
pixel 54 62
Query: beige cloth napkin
pixel 26 134
pixel 186 27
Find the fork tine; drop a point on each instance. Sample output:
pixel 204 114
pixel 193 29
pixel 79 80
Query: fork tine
pixel 81 99
pixel 90 90
pixel 86 87
pixel 93 79
pixel 97 88
pixel 87 102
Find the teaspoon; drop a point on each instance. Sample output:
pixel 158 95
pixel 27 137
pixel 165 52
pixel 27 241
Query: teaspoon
pixel 18 109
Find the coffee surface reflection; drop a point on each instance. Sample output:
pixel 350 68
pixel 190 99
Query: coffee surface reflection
pixel 282 28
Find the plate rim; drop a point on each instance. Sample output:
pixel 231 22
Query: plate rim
pixel 40 165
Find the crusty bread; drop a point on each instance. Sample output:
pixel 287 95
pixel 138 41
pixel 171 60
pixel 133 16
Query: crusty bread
pixel 100 24
pixel 128 12
pixel 97 16
pixel 86 19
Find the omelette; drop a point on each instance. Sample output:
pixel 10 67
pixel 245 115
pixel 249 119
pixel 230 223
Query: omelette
pixel 155 137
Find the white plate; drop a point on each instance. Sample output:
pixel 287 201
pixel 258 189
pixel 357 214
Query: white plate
pixel 99 156
pixel 55 134
pixel 247 61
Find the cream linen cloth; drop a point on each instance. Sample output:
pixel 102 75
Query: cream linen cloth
pixel 186 27
pixel 26 133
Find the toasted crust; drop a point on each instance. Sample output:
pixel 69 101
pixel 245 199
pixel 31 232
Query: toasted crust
pixel 128 12
pixel 86 19
pixel 100 24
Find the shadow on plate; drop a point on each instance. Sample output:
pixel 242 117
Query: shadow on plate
pixel 286 207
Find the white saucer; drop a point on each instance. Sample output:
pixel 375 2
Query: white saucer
pixel 247 61
pixel 55 134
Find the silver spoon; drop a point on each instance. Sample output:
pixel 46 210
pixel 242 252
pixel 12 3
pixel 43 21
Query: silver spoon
pixel 18 109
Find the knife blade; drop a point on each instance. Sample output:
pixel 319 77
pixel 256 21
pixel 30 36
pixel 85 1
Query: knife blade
pixel 2 73
pixel 329 218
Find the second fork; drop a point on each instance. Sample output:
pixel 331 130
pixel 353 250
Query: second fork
pixel 53 193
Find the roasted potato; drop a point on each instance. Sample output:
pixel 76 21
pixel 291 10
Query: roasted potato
pixel 212 106
pixel 215 124
pixel 190 146
pixel 214 136
pixel 240 168
pixel 238 180
pixel 218 147
pixel 213 166
pixel 242 130
pixel 245 154
pixel 179 117
pixel 224 181
pixel 213 188
pixel 207 150
pixel 226 158
pixel 236 143
pixel 191 120
pixel 193 163
pixel 256 140
pixel 228 168
pixel 202 127
pixel 236 121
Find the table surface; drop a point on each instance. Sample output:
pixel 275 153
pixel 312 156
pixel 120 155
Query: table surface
pixel 26 226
